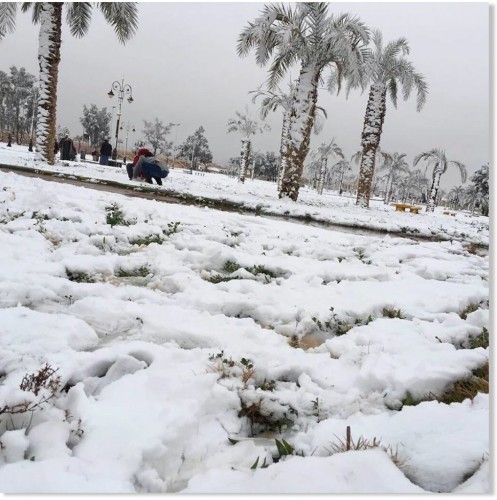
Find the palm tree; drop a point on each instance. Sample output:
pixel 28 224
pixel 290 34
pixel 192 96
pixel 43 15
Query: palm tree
pixel 271 102
pixel 477 195
pixel 380 155
pixel 386 70
pixel 341 167
pixel 394 165
pixel 415 183
pixel 456 196
pixel 123 16
pixel 247 126
pixel 437 158
pixel 323 152
pixel 304 34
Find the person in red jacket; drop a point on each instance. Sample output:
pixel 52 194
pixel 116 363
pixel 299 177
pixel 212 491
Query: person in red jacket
pixel 130 166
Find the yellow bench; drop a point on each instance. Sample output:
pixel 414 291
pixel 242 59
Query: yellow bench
pixel 402 207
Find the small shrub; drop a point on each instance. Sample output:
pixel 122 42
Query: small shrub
pixel 80 277
pixel 115 216
pixel 259 269
pixel 390 312
pixel 260 420
pixel 40 221
pixel 468 310
pixel 334 324
pixel 268 385
pixel 148 240
pixel 44 379
pixel 481 340
pixel 142 272
pixel 172 227
pixel 230 266
pixel 219 278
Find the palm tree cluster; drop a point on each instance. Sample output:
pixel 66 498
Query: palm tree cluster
pixel 307 35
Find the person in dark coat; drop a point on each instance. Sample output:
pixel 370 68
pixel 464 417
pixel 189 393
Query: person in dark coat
pixel 105 152
pixel 66 148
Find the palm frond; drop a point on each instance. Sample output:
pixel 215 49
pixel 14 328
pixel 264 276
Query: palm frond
pixel 462 169
pixel 8 12
pixel 78 16
pixel 395 48
pixel 422 90
pixel 123 16
pixel 392 91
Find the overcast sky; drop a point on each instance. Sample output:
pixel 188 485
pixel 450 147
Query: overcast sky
pixel 183 67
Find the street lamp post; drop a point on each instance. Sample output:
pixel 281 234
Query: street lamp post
pixel 112 119
pixel 175 140
pixel 122 89
pixel 127 127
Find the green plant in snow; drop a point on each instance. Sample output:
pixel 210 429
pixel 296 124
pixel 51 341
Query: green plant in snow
pixel 260 269
pixel 142 271
pixel 80 277
pixel 390 312
pixel 230 266
pixel 40 221
pixel 264 465
pixel 172 227
pixel 334 324
pixel 481 340
pixel 115 216
pixel 148 240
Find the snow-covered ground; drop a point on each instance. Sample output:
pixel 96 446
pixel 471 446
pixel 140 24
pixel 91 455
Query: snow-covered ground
pixel 188 340
pixel 262 195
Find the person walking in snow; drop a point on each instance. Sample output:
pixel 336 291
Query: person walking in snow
pixel 105 152
pixel 150 167
pixel 66 147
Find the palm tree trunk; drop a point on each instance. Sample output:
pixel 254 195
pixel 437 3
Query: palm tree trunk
pixel 48 59
pixel 283 148
pixel 387 188
pixel 322 171
pixel 244 159
pixel 302 115
pixel 371 135
pixel 437 174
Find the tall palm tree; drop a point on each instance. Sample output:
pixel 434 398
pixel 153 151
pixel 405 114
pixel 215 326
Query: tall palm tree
pixel 437 158
pixel 247 126
pixel 380 156
pixel 304 34
pixel 385 70
pixel 122 16
pixel 394 165
pixel 271 102
pixel 323 152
